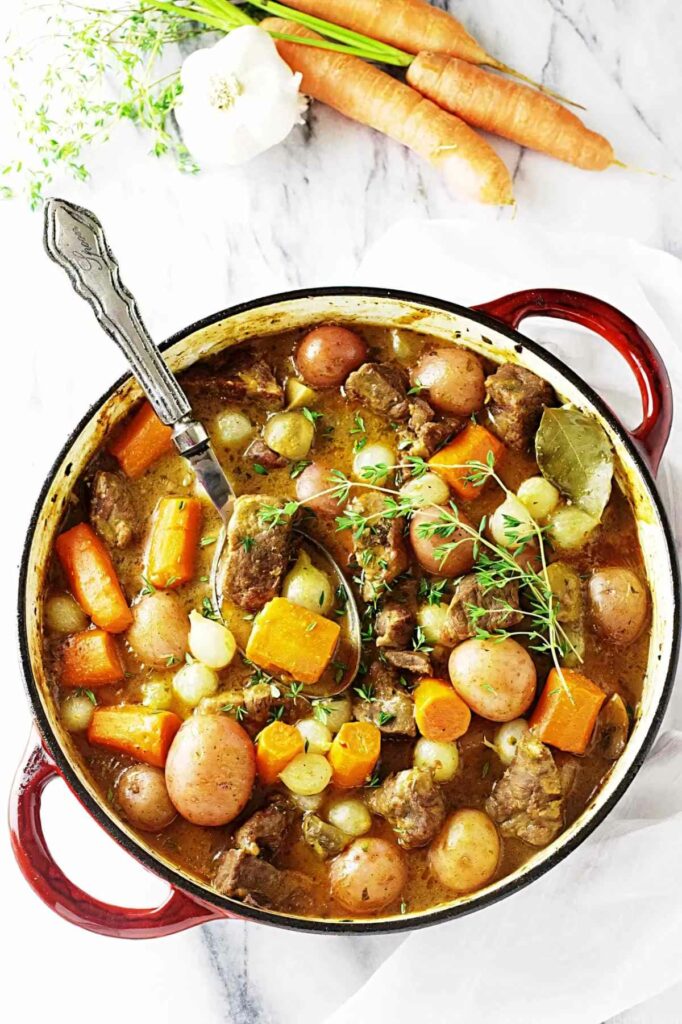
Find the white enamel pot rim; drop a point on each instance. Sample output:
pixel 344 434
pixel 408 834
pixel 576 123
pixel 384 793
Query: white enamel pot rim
pixel 190 901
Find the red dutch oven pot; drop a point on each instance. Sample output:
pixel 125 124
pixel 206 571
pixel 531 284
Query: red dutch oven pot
pixel 491 329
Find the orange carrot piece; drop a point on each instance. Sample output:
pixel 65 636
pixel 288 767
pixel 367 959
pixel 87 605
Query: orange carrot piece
pixel 440 713
pixel 131 729
pixel 288 638
pixel 567 722
pixel 509 109
pixel 90 658
pixel 363 92
pixel 276 746
pixel 142 441
pixel 172 548
pixel 410 25
pixel 473 444
pixel 354 753
pixel 92 578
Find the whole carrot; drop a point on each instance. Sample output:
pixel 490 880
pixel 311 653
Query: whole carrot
pixel 410 25
pixel 471 167
pixel 509 109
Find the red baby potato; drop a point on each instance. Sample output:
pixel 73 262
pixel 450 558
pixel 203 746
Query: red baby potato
pixel 327 354
pixel 210 770
pixel 313 480
pixel 453 378
pixel 459 560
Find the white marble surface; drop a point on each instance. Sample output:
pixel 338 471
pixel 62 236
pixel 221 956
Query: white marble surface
pixel 300 215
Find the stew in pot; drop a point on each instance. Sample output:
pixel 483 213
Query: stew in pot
pixel 505 623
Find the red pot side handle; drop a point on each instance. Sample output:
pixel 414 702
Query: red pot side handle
pixel 621 332
pixel 47 879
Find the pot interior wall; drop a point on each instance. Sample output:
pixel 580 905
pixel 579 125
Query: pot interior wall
pixel 297 312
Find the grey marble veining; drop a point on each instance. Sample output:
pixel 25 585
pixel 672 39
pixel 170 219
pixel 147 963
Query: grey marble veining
pixel 303 215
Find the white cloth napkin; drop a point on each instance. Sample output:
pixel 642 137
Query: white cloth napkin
pixel 602 931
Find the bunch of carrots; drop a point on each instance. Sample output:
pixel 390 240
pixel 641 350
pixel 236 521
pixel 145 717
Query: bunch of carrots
pixel 449 91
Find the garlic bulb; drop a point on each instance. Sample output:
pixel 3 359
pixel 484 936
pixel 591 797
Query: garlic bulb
pixel 238 98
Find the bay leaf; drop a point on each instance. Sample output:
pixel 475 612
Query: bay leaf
pixel 574 453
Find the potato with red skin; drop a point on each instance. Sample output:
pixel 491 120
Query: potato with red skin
pixel 618 602
pixel 142 796
pixel 313 480
pixel 211 769
pixel 368 876
pixel 160 629
pixel 496 678
pixel 327 354
pixel 457 561
pixel 453 379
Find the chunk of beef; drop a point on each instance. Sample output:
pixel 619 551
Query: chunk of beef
pixel 266 831
pixel 258 883
pixel 527 802
pixel 256 555
pixel 237 377
pixel 516 398
pixel 380 550
pixel 112 512
pixel 380 387
pixel 424 433
pixel 391 707
pixel 501 610
pixel 258 701
pixel 259 452
pixel 413 804
pixel 326 840
pixel 397 617
pixel 418 662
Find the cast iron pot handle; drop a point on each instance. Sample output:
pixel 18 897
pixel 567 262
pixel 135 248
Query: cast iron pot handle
pixel 47 879
pixel 621 332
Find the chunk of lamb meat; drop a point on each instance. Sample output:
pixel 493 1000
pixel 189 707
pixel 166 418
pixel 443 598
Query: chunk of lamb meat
pixel 424 433
pixel 259 884
pixel 326 840
pixel 266 831
pixel 501 610
pixel 413 804
pixel 259 453
pixel 516 398
pixel 112 512
pixel 391 707
pixel 258 701
pixel 237 377
pixel 252 572
pixel 380 549
pixel 380 387
pixel 397 617
pixel 417 662
pixel 527 802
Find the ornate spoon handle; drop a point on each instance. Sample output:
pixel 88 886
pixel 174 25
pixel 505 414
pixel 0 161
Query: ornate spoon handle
pixel 74 238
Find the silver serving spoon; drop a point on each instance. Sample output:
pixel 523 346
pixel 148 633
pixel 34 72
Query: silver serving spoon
pixel 74 239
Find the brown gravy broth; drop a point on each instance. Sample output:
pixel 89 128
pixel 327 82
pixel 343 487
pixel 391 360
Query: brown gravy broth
pixel 196 849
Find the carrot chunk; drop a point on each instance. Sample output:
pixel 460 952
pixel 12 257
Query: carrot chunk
pixel 567 722
pixel 92 578
pixel 288 638
pixel 142 441
pixel 276 746
pixel 90 658
pixel 441 714
pixel 354 753
pixel 472 445
pixel 132 729
pixel 173 541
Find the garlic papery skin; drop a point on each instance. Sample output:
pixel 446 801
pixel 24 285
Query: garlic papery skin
pixel 238 98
